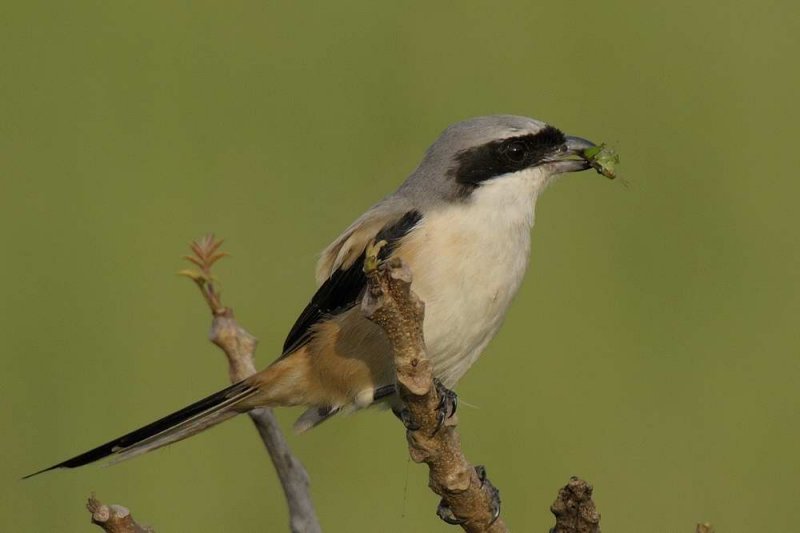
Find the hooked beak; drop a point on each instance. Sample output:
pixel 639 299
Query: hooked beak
pixel 570 156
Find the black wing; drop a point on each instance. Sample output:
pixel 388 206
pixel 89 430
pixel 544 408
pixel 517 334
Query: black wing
pixel 343 289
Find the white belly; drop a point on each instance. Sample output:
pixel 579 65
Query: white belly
pixel 467 264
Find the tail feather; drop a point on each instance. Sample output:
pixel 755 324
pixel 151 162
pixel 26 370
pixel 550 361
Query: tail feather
pixel 176 426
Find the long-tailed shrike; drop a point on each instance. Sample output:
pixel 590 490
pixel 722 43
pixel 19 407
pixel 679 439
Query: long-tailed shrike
pixel 461 221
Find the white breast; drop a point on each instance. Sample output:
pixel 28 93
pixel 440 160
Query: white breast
pixel 467 262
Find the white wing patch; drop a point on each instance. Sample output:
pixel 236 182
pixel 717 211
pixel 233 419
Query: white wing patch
pixel 347 248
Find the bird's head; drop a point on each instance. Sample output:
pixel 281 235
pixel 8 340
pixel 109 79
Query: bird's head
pixel 484 151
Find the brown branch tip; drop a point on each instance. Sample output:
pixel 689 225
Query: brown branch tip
pixel 574 509
pixel 205 252
pixel 114 518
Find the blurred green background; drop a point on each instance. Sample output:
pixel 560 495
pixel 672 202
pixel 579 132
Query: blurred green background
pixel 653 350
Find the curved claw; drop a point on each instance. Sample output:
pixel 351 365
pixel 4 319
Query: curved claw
pixel 446 514
pixel 405 418
pixel 448 404
pixel 494 493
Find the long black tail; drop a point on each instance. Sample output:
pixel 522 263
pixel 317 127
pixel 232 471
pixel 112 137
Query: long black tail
pixel 181 424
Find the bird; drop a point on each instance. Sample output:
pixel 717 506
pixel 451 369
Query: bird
pixel 461 221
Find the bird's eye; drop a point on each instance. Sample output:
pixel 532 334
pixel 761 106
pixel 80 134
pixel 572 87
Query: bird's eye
pixel 515 151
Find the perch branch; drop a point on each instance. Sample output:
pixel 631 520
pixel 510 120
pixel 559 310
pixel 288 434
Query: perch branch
pixel 574 509
pixel 114 518
pixel 239 347
pixel 468 498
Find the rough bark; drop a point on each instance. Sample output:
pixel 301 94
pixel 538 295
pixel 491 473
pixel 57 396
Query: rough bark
pixel 468 498
pixel 574 509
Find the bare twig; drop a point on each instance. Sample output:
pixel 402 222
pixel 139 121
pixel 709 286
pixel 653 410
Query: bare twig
pixel 114 518
pixel 239 347
pixel 574 509
pixel 468 498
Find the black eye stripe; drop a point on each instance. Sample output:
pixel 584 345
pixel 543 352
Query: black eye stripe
pixel 502 156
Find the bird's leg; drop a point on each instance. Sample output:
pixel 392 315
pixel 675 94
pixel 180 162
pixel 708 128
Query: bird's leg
pixel 448 403
pixel 383 392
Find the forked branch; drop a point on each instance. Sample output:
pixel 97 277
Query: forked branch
pixel 239 347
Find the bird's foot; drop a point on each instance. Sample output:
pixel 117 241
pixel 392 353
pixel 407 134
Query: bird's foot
pixel 494 492
pixel 405 417
pixel 448 404
pixel 446 514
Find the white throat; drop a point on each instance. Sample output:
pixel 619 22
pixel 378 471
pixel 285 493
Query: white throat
pixel 509 199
